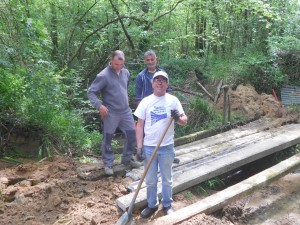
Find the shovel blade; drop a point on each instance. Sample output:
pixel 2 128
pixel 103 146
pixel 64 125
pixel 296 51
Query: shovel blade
pixel 125 219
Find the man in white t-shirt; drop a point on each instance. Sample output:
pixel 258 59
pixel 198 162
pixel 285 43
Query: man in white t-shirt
pixel 153 114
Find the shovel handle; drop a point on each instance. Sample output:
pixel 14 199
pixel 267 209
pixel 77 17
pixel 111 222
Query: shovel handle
pixel 148 166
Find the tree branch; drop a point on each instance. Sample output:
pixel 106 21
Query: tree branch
pixel 71 34
pixel 186 91
pixel 95 31
pixel 123 27
pixel 162 15
pixel 79 20
pixel 204 89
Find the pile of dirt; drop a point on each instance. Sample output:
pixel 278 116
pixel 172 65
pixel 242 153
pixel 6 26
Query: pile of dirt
pixel 50 193
pixel 207 220
pixel 244 100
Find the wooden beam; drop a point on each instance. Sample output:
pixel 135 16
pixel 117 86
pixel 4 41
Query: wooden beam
pixel 233 193
pixel 186 91
pixel 205 91
pixel 218 91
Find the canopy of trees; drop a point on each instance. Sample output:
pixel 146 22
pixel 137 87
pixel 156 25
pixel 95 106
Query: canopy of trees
pixel 50 50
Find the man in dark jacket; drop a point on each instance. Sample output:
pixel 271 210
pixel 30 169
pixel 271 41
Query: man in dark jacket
pixel 112 83
pixel 143 84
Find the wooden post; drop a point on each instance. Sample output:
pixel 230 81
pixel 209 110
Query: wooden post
pixel 225 88
pixel 229 109
pixel 218 91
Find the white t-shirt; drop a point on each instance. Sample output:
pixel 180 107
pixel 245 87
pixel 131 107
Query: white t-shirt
pixel 156 111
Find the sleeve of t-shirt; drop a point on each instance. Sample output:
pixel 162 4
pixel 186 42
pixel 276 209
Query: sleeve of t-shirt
pixel 140 111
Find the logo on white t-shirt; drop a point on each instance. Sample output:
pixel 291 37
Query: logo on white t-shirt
pixel 157 114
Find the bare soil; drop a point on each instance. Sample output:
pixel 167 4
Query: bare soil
pixel 50 192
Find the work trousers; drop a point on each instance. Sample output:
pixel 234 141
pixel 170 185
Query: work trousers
pixel 123 121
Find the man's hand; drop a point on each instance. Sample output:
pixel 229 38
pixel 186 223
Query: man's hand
pixel 140 154
pixel 175 114
pixel 103 111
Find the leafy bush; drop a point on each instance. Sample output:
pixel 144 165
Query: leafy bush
pixel 37 98
pixel 248 65
pixel 201 116
pixel 262 74
pixel 179 68
pixel 286 54
pixel 35 94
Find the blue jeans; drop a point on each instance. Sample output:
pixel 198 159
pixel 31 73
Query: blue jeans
pixel 164 159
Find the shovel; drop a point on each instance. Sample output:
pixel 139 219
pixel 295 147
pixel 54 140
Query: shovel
pixel 126 218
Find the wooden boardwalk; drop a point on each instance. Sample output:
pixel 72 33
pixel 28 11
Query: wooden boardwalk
pixel 213 156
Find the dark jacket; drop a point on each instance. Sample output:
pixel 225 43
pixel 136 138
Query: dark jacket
pixel 143 85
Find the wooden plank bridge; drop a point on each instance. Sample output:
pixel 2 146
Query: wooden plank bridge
pixel 210 157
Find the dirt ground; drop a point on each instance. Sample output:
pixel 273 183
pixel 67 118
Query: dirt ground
pixel 49 192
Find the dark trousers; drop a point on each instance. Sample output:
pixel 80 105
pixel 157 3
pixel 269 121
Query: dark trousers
pixel 125 123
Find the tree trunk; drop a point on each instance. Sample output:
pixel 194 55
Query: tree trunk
pixel 53 33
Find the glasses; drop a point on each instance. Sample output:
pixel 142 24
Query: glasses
pixel 161 81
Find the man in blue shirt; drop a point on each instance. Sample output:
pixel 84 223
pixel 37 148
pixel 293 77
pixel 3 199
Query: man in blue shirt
pixel 143 85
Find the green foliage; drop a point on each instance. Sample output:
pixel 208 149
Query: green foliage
pixel 201 114
pixel 294 108
pixel 248 65
pixel 34 94
pixel 287 153
pixel 48 55
pixel 12 160
pixel 212 184
pixel 285 52
pixel 200 190
pixel 45 149
pixel 188 195
pixel 261 73
pixel 179 68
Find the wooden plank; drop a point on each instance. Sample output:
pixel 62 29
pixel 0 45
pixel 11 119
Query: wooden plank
pixel 248 126
pixel 205 91
pixel 222 165
pixel 248 129
pixel 192 156
pixel 224 197
pixel 218 91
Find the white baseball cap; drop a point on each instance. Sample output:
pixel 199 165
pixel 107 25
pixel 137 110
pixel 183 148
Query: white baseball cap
pixel 161 73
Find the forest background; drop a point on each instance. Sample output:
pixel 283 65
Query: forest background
pixel 51 50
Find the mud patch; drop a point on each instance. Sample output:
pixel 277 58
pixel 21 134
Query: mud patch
pixel 51 193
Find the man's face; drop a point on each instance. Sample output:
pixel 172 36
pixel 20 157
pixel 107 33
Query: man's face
pixel 150 61
pixel 160 85
pixel 117 63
